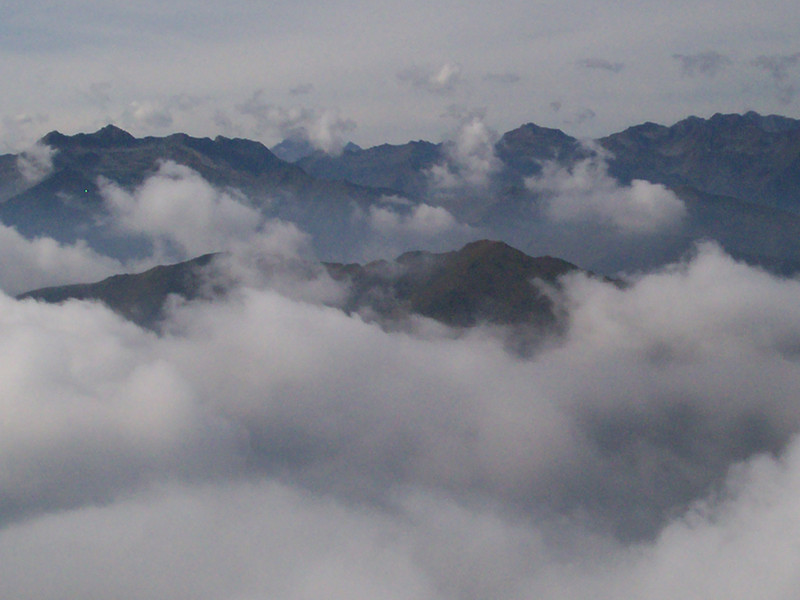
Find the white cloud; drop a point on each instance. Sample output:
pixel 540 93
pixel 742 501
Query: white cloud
pixel 586 192
pixel 21 132
pixel 265 435
pixel 182 213
pixel 324 128
pixel 396 225
pixel 148 115
pixel 41 262
pixel 36 162
pixel 470 157
pixel 423 220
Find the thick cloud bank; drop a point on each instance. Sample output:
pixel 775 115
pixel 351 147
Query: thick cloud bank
pixel 267 445
pixel 586 192
pixel 470 157
pixel 40 262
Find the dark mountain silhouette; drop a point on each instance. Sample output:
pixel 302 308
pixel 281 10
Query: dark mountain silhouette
pixel 749 157
pixel 485 281
pixel 67 204
pixel 139 297
pixel 738 176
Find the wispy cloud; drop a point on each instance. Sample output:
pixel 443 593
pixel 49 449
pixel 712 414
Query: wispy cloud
pixel 707 64
pixel 324 128
pixel 779 67
pixel 36 162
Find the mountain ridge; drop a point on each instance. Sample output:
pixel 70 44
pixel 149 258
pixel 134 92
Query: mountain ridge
pixel 483 282
pixel 737 175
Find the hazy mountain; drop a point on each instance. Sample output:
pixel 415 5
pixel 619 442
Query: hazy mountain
pixel 738 177
pixel 400 168
pixel 293 149
pixel 749 157
pixel 66 204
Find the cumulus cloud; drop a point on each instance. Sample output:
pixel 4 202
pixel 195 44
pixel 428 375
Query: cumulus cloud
pixel 323 128
pixel 423 220
pixel 442 80
pixel 183 216
pixel 395 228
pixel 182 213
pixel 269 446
pixel 36 162
pixel 601 64
pixel 470 157
pixel 585 192
pixel 779 66
pixel 41 262
pixel 707 64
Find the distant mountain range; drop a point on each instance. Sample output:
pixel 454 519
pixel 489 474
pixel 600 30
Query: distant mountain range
pixel 738 177
pixel 67 205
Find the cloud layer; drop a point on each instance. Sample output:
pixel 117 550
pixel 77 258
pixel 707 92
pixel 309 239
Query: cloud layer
pixel 268 444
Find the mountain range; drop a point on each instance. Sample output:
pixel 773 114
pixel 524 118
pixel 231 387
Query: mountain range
pixel 736 177
pixel 483 282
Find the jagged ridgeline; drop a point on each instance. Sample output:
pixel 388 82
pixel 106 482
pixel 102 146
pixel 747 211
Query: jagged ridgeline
pixel 737 177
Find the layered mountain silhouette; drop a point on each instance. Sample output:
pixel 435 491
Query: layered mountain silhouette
pixel 139 297
pixel 67 204
pixel 483 282
pixel 738 177
pixel 748 157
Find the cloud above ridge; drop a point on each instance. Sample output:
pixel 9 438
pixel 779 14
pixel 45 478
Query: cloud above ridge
pixel 323 128
pixel 470 158
pixel 585 192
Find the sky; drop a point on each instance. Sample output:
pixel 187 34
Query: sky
pixel 376 72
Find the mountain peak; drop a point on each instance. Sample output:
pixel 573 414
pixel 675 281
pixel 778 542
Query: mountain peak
pixel 106 137
pixel 111 134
